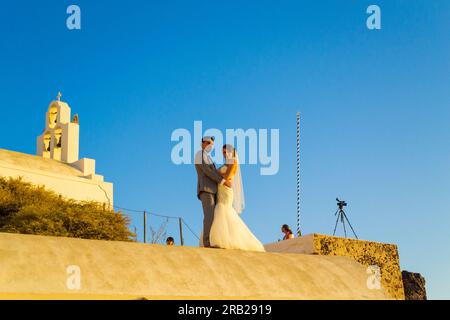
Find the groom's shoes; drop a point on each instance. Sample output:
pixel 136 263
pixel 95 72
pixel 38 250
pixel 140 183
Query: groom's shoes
pixel 211 247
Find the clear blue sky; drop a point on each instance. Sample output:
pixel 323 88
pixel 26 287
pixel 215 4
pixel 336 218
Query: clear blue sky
pixel 375 106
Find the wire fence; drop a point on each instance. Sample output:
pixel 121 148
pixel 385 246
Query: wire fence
pixel 152 227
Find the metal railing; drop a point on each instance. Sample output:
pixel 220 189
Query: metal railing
pixel 158 234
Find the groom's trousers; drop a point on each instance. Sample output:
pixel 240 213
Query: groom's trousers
pixel 208 203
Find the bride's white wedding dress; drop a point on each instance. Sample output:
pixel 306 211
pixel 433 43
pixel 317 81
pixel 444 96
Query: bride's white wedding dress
pixel 228 231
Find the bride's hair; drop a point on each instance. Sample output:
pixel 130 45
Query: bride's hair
pixel 229 148
pixel 230 153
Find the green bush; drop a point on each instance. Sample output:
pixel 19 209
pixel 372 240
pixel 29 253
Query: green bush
pixel 25 208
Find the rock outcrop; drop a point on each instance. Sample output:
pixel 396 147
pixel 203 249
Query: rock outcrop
pixel 414 285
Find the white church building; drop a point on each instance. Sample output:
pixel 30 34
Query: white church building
pixel 57 165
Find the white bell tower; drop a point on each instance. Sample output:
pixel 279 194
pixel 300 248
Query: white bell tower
pixel 60 140
pixel 57 166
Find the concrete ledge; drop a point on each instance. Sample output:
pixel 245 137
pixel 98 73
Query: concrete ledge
pixel 36 266
pixel 58 176
pixel 368 253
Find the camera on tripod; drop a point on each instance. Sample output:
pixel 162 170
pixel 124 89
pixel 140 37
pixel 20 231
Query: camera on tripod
pixel 342 217
pixel 341 203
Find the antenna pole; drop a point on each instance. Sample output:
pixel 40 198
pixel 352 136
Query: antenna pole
pixel 299 233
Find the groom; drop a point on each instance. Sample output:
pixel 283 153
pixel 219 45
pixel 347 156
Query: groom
pixel 207 181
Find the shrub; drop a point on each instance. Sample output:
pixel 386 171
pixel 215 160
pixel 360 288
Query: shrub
pixel 29 209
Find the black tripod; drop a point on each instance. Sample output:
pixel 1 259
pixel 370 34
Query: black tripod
pixel 340 213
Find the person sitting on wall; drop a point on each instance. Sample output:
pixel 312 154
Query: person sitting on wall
pixel 170 241
pixel 288 234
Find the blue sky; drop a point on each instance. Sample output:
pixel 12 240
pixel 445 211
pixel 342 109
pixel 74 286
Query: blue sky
pixel 375 107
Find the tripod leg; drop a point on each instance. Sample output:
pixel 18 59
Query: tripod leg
pixel 335 226
pixel 351 226
pixel 343 223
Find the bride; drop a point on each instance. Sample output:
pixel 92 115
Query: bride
pixel 228 231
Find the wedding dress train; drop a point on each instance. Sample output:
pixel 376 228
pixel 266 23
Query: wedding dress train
pixel 228 230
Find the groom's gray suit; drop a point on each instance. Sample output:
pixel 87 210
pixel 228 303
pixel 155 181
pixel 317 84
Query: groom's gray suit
pixel 207 180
